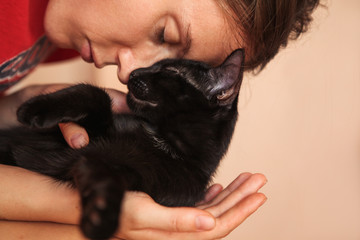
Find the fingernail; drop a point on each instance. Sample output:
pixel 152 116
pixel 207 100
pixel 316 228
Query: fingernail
pixel 205 222
pixel 78 141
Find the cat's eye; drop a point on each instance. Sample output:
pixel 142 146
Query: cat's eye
pixel 225 94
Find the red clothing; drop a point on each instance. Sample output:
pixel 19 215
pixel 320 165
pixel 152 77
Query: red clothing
pixel 23 44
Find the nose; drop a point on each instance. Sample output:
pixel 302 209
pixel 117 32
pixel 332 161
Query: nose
pixel 126 64
pixel 131 59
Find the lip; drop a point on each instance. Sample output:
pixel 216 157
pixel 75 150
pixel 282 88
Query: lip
pixel 86 52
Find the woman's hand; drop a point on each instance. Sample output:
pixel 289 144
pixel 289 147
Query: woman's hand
pixel 220 213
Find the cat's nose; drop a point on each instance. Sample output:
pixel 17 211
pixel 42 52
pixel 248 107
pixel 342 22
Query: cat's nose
pixel 138 73
pixel 123 76
pixel 134 74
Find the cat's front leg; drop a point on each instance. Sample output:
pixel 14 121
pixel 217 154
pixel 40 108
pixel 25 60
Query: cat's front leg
pixel 101 194
pixel 84 104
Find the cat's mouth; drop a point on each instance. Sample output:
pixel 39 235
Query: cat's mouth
pixel 141 101
pixel 139 93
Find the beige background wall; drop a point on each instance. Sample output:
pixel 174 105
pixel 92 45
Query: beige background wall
pixel 299 124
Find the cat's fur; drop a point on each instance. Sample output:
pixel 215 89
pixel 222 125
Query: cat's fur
pixel 184 117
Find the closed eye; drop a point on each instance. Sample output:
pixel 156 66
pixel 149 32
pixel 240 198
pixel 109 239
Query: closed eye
pixel 160 35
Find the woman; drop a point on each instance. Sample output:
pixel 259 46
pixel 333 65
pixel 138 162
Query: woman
pixel 133 34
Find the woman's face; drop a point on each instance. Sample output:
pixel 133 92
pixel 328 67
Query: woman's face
pixel 137 33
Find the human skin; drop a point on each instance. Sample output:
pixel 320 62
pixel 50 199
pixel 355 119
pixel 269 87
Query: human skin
pixel 230 207
pixel 131 38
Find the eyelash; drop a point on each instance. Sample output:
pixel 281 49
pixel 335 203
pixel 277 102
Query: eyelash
pixel 161 36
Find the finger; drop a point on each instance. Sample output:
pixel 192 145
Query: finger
pixel 179 219
pixel 211 193
pixel 74 135
pixel 119 104
pixel 248 187
pixel 238 214
pixel 228 190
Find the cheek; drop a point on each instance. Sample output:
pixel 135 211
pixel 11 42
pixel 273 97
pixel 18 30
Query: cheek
pixel 106 22
pixel 123 29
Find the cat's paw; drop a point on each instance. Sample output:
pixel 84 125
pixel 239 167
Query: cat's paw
pixel 46 111
pixel 100 216
pixel 36 113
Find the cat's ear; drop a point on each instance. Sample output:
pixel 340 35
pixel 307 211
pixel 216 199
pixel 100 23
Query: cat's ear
pixel 228 78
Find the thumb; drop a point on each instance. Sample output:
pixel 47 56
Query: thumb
pixel 150 215
pixel 74 135
pixel 179 219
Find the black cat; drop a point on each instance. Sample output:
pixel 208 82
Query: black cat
pixel 184 113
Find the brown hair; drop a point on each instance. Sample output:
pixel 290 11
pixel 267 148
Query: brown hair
pixel 266 25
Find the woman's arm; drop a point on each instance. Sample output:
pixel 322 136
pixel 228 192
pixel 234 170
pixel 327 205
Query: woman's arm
pixel 27 196
pixel 14 230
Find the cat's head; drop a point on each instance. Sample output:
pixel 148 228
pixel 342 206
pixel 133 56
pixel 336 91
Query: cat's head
pixel 174 86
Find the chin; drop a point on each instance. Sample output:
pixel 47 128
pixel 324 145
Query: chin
pixel 61 40
pixel 57 30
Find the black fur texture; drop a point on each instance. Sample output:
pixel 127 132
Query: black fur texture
pixel 184 113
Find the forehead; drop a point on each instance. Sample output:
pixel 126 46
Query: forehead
pixel 212 38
